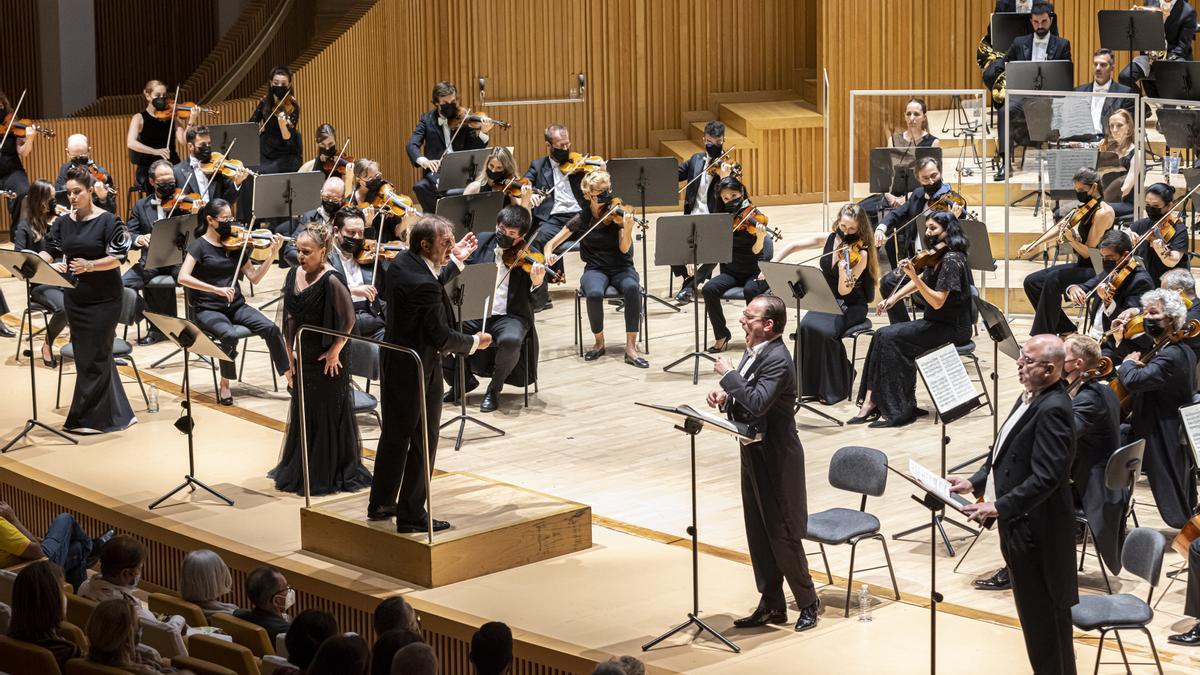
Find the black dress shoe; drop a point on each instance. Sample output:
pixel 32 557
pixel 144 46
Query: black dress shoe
pixel 151 338
pixel 1000 175
pixel 380 512
pixel 685 295
pixel 997 582
pixel 886 423
pixel 637 361
pixel 762 617
pixel 808 617
pixel 717 349
pixel 862 419
pixel 97 544
pixel 920 412
pixel 489 403
pixel 593 354
pixel 1190 638
pixel 413 528
pixel 5 331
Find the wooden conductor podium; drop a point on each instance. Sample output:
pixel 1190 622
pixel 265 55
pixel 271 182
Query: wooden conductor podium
pixel 496 526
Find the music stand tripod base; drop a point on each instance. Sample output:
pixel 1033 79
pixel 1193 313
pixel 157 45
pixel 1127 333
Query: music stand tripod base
pixel 471 294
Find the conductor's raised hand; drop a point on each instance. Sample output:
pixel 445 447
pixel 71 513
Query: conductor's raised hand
pixel 722 366
pixel 465 247
pixel 485 340
pixel 716 398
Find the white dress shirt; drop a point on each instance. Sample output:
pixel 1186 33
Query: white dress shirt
pixel 199 178
pixel 701 207
pixel 1024 6
pixel 354 275
pixel 989 492
pixel 753 354
pixel 1098 104
pixel 1040 46
pixel 422 161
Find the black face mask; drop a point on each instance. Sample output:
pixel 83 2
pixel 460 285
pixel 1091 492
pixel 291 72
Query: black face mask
pixel 159 102
pixel 204 153
pixel 83 160
pixel 733 206
pixel 560 155
pixel 497 176
pixel 605 197
pixel 165 190
pixel 1154 213
pixel 331 206
pixel 932 188
pixel 328 153
pixel 1110 265
pixel 850 238
pixel 448 110
pixel 351 246
pixel 504 241
pixel 374 184
pixel 714 150
pixel 1083 197
pixel 1154 328
pixel 279 90
pixel 224 228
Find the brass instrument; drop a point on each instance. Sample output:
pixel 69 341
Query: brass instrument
pixel 985 55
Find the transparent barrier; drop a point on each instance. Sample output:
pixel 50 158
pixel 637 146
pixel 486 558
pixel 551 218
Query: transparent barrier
pixel 1171 130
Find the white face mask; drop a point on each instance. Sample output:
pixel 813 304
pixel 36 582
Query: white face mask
pixel 289 599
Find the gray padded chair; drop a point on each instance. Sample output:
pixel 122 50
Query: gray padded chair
pixel 364 362
pixel 861 470
pixel 1142 555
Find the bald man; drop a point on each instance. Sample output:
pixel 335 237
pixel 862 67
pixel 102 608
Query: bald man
pixel 1025 486
pixel 332 192
pixel 79 153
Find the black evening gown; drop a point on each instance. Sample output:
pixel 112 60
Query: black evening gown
pixel 99 404
pixel 334 446
pixel 825 370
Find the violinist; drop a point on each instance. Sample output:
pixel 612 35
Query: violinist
pixel 349 227
pixel 511 317
pixel 211 274
pixel 1091 220
pixel 331 200
pixel 1167 249
pixel 606 248
pixel 1128 331
pixel 328 150
pixel 500 173
pixel 12 155
pixel 30 234
pixel 1111 293
pixel 144 213
pixel 700 173
pixel 1159 384
pixel 1179 26
pixel 564 199
pixel 278 113
pixel 851 265
pixel 897 232
pixel 887 394
pixel 742 270
pixel 1182 282
pixel 370 185
pixel 437 131
pixel 150 138
pixel 79 154
pixel 197 173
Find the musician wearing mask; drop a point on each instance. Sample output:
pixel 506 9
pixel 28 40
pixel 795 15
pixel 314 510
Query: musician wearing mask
pixel 1159 383
pixel 150 138
pixel 438 131
pixel 142 216
pixel 1132 338
pixel 1090 221
pixel 742 270
pixel 700 173
pixel 331 201
pixel 500 173
pixel 79 153
pixel 30 234
pixel 1103 62
pixel 1168 248
pixel 1179 25
pixel 827 372
pixel 1107 295
pixel 562 200
pixel 887 394
pixel 277 115
pixel 13 153
pixel 915 135
pixel 348 234
pixel 198 173
pixel 606 248
pixel 328 150
pixel 1182 282
pixel 511 313
pixel 370 187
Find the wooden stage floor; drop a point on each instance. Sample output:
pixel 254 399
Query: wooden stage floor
pixel 582 439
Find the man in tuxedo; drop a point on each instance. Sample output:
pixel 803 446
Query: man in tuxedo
pixel 349 226
pixel 190 178
pixel 415 283
pixel 331 200
pixel 1103 62
pixel 79 153
pixel 1179 25
pixel 433 136
pixel 701 198
pixel 1025 487
pixel 511 316
pixel 551 212
pixel 144 213
pixel 761 393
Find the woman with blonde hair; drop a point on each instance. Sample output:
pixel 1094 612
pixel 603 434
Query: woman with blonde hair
pixel 1118 139
pixel 499 172
pixel 112 633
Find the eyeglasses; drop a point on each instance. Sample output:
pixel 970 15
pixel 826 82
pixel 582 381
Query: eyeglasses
pixel 1024 360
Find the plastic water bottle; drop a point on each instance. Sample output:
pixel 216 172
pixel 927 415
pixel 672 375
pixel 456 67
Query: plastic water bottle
pixel 864 605
pixel 153 406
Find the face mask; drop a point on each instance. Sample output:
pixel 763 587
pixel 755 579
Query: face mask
pixel 933 187
pixel 289 599
pixel 497 176
pixel 159 102
pixel 224 228
pixel 204 153
pixel 1110 265
pixel 1154 213
pixel 279 90
pixel 165 190
pixel 374 184
pixel 328 153
pixel 448 110
pixel 560 155
pixel 351 246
pixel 331 207
pixel 1154 328
pixel 503 240
pixel 733 206
pixel 605 197
pixel 1083 197
pixel 81 160
pixel 714 150
pixel 850 238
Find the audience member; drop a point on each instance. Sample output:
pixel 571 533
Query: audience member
pixel 203 578
pixel 65 544
pixel 492 649
pixel 386 647
pixel 120 571
pixel 112 639
pixel 38 607
pixel 393 613
pixel 304 637
pixel 341 655
pixel 415 659
pixel 609 668
pixel 270 599
pixel 630 664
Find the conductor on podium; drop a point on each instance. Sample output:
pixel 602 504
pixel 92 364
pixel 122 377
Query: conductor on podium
pixel 761 392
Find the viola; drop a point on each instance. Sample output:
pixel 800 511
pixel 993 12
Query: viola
pixel 180 199
pixel 1183 541
pixel 525 258
pixel 750 220
pixel 513 187
pixel 734 169
pixel 182 111
pixel 21 127
pixel 579 163
pixel 372 250
pixel 230 168
pixel 1190 330
pixel 1102 369
pixel 1107 290
pixel 851 256
pixel 948 201
pixel 336 166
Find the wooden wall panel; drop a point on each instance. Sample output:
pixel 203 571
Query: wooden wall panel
pixel 19 55
pixel 124 57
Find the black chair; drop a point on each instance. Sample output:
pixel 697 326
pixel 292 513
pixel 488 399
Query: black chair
pixel 364 363
pixel 523 375
pixel 1120 474
pixel 858 330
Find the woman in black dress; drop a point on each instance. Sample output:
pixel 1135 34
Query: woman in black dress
pixel 281 147
pixel 90 245
pixel 215 295
pixel 742 269
pixel 890 376
pixel 37 213
pixel 316 295
pixel 150 138
pixel 828 374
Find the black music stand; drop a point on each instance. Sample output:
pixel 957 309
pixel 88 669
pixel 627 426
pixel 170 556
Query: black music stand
pixel 282 195
pixel 691 422
pixel 694 239
pixel 1008 26
pixel 469 213
pixel 1181 127
pixel 246 136
pixel 169 242
pixel 1040 75
pixel 460 167
pixel 1003 340
pixel 892 168
pixel 810 291
pixel 469 291
pixel 1177 80
pixel 1130 30
pixel 32 269
pixel 188 337
pixel 642 182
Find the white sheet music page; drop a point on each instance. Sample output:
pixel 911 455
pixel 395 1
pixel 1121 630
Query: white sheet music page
pixel 946 378
pixel 1191 424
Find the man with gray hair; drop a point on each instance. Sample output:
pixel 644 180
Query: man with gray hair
pixel 79 153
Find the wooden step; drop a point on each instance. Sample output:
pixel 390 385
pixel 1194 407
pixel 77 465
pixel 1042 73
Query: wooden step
pixel 747 117
pixel 695 133
pixel 810 89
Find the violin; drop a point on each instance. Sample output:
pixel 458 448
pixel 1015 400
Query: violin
pixel 1108 289
pixel 8 194
pixel 948 201
pixel 21 127
pixel 734 169
pixel 240 236
pixel 473 120
pixel 1132 328
pixel 336 166
pixel 930 258
pixel 287 105
pixel 371 250
pixel 1102 369
pixel 393 203
pixel 1166 227
pixel 1077 216
pixel 514 186
pixel 1190 330
pixel 579 163
pixel 750 219
pixel 851 256
pixel 182 111
pixel 526 258
pixel 615 213
pixel 186 201
pixel 230 168
pixel 100 175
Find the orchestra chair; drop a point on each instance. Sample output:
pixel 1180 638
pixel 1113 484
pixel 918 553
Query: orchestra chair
pixel 271 663
pixel 165 603
pixel 155 282
pixel 75 634
pixel 525 372
pixel 864 471
pixel 22 657
pixel 27 320
pixel 85 667
pixel 240 333
pixel 235 657
pixel 1120 474
pixel 249 635
pixel 122 349
pixel 163 637
pixel 195 665
pixel 8 577
pixel 79 609
pixel 1142 555
pixel 610 293
pixel 364 363
pixel 853 333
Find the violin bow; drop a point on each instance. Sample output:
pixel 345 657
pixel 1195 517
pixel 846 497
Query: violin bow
pixel 182 191
pixel 13 119
pixel 171 124
pixel 337 159
pixel 707 166
pixel 596 224
pixel 217 170
pixel 450 145
pixel 262 126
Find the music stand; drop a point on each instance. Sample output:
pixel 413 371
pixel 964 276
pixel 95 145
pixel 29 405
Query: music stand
pixel 188 337
pixel 1177 80
pixel 245 133
pixel 808 287
pixel 460 167
pixel 31 268
pixel 1130 30
pixel 892 168
pixel 467 212
pixel 1040 75
pixel 694 239
pixel 642 182
pixel 169 241
pixel 281 195
pixel 471 292
pixel 1004 341
pixel 1008 26
pixel 1180 127
pixel 691 422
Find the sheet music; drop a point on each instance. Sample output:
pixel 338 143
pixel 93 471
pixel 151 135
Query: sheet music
pixel 1073 117
pixel 1191 424
pixel 710 419
pixel 946 378
pixel 935 484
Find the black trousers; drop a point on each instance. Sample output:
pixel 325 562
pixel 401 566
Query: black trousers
pixel 546 230
pixel 715 287
pixel 776 552
pixel 1191 605
pixel 157 300
pixel 426 191
pixel 18 182
pixel 1045 627
pixel 508 334
pixel 221 325
pixel 1045 290
pixel 400 470
pixel 595 281
pixel 50 297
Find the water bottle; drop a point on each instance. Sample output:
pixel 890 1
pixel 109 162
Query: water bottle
pixel 864 605
pixel 153 406
pixel 1171 164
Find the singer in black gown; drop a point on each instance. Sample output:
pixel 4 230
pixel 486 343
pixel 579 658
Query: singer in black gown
pixel 334 445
